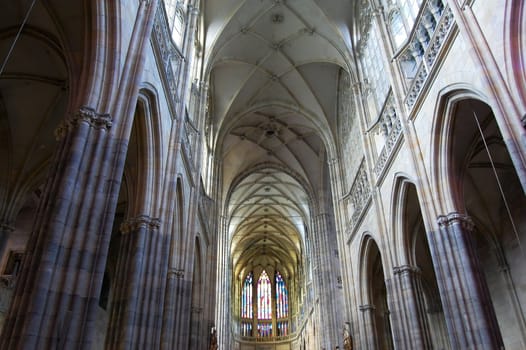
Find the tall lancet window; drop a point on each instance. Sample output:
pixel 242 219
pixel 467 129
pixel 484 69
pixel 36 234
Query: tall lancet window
pixel 247 309
pixel 282 305
pixel 282 297
pixel 264 297
pixel 176 11
pixel 246 297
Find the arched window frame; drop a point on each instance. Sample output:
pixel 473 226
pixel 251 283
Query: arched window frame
pixel 264 293
pixel 374 66
pixel 264 306
pixel 176 12
pixel 397 29
pixel 247 310
pixel 402 13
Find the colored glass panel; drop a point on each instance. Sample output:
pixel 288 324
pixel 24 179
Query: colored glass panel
pixel 282 298
pixel 246 297
pixel 264 297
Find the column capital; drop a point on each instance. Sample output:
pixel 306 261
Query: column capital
pixel 367 307
pixel 453 218
pixel 409 269
pixel 5 227
pixel 87 115
pixel 177 273
pixel 377 11
pixel 137 222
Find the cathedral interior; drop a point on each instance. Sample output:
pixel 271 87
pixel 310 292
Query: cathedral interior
pixel 263 174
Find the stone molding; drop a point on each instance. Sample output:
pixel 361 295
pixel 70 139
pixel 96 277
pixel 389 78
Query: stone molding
pixel 367 307
pixel 136 223
pixel 445 221
pixel 360 193
pixel 83 115
pixel 6 228
pixel 426 45
pixel 177 273
pixel 406 269
pixel 197 310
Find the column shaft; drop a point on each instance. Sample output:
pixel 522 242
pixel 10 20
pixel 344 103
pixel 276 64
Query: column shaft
pixel 470 318
pixel 409 319
pixel 132 321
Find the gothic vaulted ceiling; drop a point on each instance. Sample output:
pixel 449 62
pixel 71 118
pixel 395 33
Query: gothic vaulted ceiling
pixel 274 67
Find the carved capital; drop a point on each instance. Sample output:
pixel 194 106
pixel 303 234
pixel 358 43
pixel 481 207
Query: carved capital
pixel 94 119
pixel 367 307
pixel 193 10
pixel 83 115
pixel 398 270
pixel 144 221
pixel 6 227
pixel 445 221
pixel 176 273
pixel 377 11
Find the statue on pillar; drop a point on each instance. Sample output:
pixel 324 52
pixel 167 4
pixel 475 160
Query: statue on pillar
pixel 213 339
pixel 347 339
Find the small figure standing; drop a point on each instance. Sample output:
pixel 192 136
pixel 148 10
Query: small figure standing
pixel 347 339
pixel 213 339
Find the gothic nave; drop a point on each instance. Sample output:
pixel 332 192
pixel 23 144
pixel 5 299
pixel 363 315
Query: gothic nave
pixel 263 174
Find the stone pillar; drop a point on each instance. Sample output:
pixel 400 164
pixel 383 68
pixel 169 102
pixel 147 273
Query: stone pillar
pixel 470 318
pixel 325 282
pixel 5 231
pixel 56 297
pixel 368 320
pixel 60 277
pixel 409 319
pixel 196 333
pixel 133 315
pixel 170 317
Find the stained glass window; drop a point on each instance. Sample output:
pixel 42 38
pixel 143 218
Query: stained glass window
pixel 246 329
pixel 264 297
pixel 264 329
pixel 282 297
pixel 176 13
pixel 246 297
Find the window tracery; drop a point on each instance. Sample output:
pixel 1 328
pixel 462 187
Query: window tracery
pixel 264 306
pixel 176 13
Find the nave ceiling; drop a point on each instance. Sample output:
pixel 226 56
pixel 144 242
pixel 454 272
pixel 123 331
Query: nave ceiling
pixel 274 68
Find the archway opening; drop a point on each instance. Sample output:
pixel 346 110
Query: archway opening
pixel 490 192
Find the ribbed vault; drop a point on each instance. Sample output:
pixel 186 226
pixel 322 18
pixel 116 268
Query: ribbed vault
pixel 274 68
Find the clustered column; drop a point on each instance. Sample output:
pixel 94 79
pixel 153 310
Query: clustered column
pixel 132 322
pixel 410 329
pixel 468 310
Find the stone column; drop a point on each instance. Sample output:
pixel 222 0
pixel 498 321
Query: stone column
pixel 133 315
pixel 5 231
pixel 325 283
pixel 470 318
pixel 409 320
pixel 56 297
pixel 60 278
pixel 196 333
pixel 368 321
pixel 170 317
